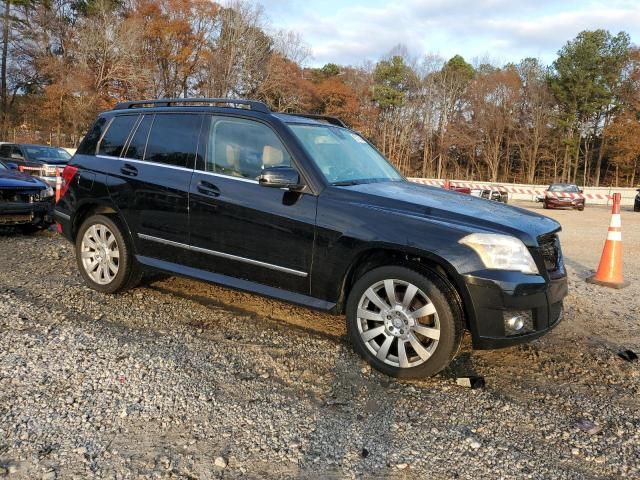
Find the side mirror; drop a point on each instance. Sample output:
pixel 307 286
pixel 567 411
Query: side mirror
pixel 280 177
pixel 12 166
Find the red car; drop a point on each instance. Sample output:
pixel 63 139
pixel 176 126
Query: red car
pixel 563 195
pixel 454 188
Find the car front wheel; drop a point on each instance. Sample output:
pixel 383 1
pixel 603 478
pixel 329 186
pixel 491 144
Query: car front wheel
pixel 404 323
pixel 104 257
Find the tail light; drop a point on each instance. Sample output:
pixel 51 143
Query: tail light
pixel 67 176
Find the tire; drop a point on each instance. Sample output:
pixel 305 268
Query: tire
pixel 438 332
pixel 91 247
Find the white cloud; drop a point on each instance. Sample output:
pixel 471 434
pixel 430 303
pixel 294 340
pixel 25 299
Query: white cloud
pixel 351 32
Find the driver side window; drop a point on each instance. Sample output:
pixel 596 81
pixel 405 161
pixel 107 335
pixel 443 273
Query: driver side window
pixel 243 148
pixel 16 153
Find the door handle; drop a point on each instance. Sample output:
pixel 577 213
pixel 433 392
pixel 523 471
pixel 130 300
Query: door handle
pixel 129 170
pixel 208 189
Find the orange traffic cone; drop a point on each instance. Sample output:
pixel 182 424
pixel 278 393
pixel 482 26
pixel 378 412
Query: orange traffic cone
pixel 58 185
pixel 609 272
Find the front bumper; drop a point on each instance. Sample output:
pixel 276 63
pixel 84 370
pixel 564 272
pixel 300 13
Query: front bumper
pixel 497 295
pixel 23 213
pixel 569 203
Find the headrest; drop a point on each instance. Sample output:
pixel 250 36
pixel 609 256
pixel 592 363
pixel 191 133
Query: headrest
pixel 271 156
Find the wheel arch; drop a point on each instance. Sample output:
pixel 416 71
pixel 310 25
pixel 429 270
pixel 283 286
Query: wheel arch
pixel 425 262
pixel 93 208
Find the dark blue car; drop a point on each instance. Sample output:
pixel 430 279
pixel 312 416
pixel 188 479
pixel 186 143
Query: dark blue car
pixel 25 200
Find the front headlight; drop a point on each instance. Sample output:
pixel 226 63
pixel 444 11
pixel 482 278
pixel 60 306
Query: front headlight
pixel 47 192
pixel 501 252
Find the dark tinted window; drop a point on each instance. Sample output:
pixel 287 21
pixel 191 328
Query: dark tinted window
pixel 37 152
pixel 5 151
pixel 16 153
pixel 116 136
pixel 90 141
pixel 174 139
pixel 136 146
pixel 241 148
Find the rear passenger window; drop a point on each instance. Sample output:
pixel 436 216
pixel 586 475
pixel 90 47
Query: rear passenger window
pixel 242 148
pixel 89 143
pixel 135 150
pixel 174 139
pixel 116 136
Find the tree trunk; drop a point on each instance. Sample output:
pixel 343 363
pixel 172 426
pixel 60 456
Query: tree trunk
pixel 4 104
pixel 601 150
pixel 586 160
pixel 565 163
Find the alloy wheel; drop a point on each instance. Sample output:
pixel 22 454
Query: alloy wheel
pixel 398 323
pixel 100 254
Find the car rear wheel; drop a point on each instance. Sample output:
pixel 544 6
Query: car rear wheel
pixel 104 257
pixel 404 323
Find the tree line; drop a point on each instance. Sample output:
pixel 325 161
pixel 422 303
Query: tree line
pixel 575 120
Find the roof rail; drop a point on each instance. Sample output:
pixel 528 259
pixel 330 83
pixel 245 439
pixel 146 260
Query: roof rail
pixel 326 118
pixel 167 102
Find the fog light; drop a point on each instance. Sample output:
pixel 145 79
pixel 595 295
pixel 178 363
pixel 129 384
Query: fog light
pixel 515 323
pixel 518 322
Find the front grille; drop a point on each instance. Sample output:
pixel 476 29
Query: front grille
pixel 17 196
pixel 550 249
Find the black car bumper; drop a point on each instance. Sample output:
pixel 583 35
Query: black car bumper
pixel 497 296
pixel 64 222
pixel 23 213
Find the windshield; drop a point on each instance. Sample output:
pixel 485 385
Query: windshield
pixel 564 188
pixel 344 157
pixel 42 153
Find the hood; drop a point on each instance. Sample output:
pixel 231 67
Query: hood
pixel 470 213
pixel 15 179
pixel 52 161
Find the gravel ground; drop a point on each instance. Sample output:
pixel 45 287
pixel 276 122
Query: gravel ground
pixel 180 379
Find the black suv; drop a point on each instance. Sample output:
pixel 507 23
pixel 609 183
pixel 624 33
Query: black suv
pixel 305 210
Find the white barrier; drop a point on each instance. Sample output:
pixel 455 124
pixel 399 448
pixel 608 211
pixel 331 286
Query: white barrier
pixel 517 191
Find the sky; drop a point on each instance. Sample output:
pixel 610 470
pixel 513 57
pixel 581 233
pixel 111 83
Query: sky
pixel 352 32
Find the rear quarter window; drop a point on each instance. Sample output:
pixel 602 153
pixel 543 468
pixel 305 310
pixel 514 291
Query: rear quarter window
pixel 89 143
pixel 117 133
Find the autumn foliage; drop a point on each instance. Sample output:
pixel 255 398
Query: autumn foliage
pixel 575 120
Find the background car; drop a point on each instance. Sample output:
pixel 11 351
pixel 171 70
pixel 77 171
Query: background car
pixel 25 201
pixel 563 195
pixel 456 188
pixel 636 204
pixel 43 157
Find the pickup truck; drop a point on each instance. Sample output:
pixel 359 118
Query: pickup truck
pixel 39 160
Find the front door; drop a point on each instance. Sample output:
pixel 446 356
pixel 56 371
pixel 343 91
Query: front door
pixel 239 228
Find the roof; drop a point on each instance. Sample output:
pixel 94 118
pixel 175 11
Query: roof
pixel 236 103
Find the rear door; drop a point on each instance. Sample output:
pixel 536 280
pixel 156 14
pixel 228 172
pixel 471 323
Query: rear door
pixel 150 172
pixel 239 228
